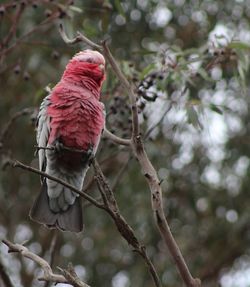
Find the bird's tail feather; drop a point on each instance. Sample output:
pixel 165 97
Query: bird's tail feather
pixel 69 220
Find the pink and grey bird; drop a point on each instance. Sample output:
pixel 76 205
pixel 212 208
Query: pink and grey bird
pixel 71 118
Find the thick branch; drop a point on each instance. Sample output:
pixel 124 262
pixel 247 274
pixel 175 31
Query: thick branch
pixel 48 274
pixel 123 227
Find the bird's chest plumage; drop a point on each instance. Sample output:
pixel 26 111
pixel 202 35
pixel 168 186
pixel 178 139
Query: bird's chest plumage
pixel 76 121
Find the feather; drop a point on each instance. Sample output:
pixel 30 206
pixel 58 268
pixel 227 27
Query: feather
pixel 66 220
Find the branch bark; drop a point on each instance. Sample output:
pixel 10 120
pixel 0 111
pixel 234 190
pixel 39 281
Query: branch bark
pixel 120 141
pixel 52 249
pixel 123 227
pixel 48 274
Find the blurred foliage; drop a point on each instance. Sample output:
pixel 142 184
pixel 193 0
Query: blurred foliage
pixel 189 61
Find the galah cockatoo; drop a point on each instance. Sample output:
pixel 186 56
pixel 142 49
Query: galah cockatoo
pixel 71 119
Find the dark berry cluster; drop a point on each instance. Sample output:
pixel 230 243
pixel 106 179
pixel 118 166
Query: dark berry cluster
pixel 145 93
pixel 119 116
pixel 148 82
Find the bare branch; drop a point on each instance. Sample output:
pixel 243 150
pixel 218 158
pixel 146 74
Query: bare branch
pixel 107 134
pixel 72 277
pixel 62 147
pixel 149 131
pixel 48 20
pixel 7 128
pixel 52 252
pixel 79 38
pixel 129 88
pixel 13 28
pixel 123 227
pixel 64 183
pixel 48 274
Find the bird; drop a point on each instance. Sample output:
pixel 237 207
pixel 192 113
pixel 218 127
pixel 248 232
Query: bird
pixel 70 122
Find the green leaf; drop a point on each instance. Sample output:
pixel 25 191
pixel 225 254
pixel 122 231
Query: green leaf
pixel 216 109
pixel 75 9
pixel 193 118
pixel 146 70
pixel 239 45
pixel 119 8
pixel 203 73
pixel 105 22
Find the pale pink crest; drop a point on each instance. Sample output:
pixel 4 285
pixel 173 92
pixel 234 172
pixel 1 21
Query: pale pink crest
pixel 90 56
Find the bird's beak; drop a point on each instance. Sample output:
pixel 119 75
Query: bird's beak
pixel 102 67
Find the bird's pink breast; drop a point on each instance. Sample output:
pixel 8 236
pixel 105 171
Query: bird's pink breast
pixel 76 117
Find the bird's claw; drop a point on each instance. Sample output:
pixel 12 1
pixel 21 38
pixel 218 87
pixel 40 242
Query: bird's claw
pixel 58 146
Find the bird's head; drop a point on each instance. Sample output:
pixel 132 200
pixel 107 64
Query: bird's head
pixel 89 64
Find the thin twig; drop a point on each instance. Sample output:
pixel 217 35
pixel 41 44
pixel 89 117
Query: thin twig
pixel 62 182
pixel 107 134
pixel 13 28
pixel 7 128
pixel 33 30
pixel 72 277
pixel 129 88
pixel 48 274
pixel 62 147
pixel 121 172
pixel 149 131
pixel 77 39
pixel 52 250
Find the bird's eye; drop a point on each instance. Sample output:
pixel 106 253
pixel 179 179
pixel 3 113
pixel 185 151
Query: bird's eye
pixel 89 60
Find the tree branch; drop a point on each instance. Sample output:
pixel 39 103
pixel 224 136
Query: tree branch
pixel 72 277
pixel 52 249
pixel 120 141
pixel 129 88
pixel 6 129
pixel 62 182
pixel 48 274
pixel 79 38
pixel 54 16
pixel 123 227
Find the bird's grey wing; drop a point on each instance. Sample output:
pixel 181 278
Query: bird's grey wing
pixel 43 130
